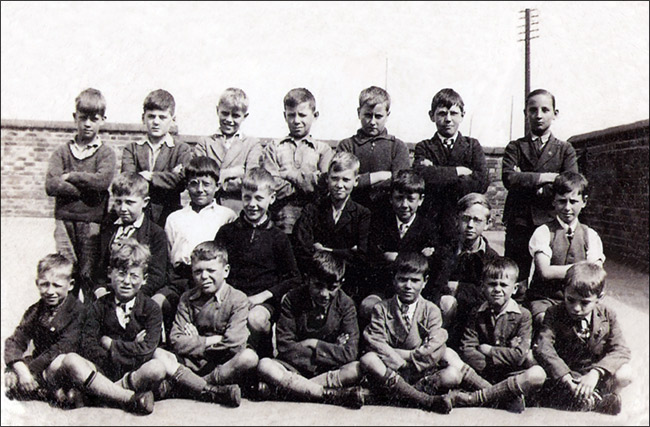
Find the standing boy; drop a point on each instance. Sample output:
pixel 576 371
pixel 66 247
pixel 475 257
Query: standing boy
pixel 381 155
pixel 530 165
pixel 231 149
pixel 160 159
pixel 452 165
pixel 78 176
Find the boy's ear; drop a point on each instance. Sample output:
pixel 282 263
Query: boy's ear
pixel 432 115
pixel 316 113
pixel 74 115
pixel 359 112
pixel 226 270
pixel 143 118
pixel 584 198
pixel 356 180
pixel 245 114
pixel 146 200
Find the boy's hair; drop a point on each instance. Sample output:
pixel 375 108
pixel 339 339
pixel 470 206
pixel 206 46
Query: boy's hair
pixel 374 96
pixel 586 278
pixel 130 253
pixel 343 161
pixel 202 166
pixel 540 92
pixel 411 262
pixel 209 250
pixel 129 184
pixel 160 99
pixel 407 181
pixel 447 98
pixel 297 96
pixel 234 97
pixel 470 199
pixel 327 267
pixel 568 181
pixel 498 266
pixel 90 101
pixel 52 261
pixel 258 178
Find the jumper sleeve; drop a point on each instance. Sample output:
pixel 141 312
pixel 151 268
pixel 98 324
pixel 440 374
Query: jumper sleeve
pixel 303 232
pixel 54 185
pixel 101 179
pixel 157 271
pixel 289 276
pixel 400 158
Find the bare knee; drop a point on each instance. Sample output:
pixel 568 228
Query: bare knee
pixel 259 320
pixel 248 359
pixel 365 309
pixel 539 319
pixel 372 364
pixel 76 366
pixel 448 305
pixel 450 377
pixel 165 359
pixel 624 376
pixel 453 359
pixel 268 368
pixel 535 376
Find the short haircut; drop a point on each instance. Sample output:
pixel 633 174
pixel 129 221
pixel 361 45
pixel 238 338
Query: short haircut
pixel 234 97
pixel 471 199
pixel 202 166
pixel 326 267
pixel 90 101
pixel 447 98
pixel 258 178
pixel 52 261
pixel 540 92
pixel 130 184
pixel 498 266
pixel 160 99
pixel 586 278
pixel 342 161
pixel 568 181
pixel 130 253
pixel 407 181
pixel 411 262
pixel 297 96
pixel 209 250
pixel 374 96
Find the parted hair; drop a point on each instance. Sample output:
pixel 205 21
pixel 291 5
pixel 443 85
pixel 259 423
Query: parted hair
pixel 447 98
pixel 128 184
pixel 499 266
pixel 540 92
pixel 52 261
pixel 470 199
pixel 408 181
pixel 130 253
pixel 297 96
pixel 159 99
pixel 568 181
pixel 343 161
pixel 90 101
pixel 374 96
pixel 210 250
pixel 411 262
pixel 586 278
pixel 234 97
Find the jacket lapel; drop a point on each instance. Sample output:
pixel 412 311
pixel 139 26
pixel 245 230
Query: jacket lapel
pixel 458 150
pixel 529 152
pixel 550 150
pixel 438 150
pixel 142 156
pixel 163 158
pixel 598 325
pixel 346 215
pixel 395 323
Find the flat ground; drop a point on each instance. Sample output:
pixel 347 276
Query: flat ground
pixel 26 240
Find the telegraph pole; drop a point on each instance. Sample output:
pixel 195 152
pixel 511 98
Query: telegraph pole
pixel 528 29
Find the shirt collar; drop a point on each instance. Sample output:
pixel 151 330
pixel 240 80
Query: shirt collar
pixel 511 307
pixel 218 296
pixel 211 206
pixel 569 228
pixel 308 140
pixel 482 247
pixel 544 137
pixel 128 306
pixel 92 145
pixel 408 224
pixel 411 307
pixel 168 140
pixel 221 135
pixel 136 224
pixel 454 137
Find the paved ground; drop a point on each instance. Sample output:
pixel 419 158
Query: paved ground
pixel 25 240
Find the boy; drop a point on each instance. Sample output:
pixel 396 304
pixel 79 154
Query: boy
pixel 381 155
pixel 296 161
pixel 318 338
pixel 52 324
pixel 130 197
pixel 336 224
pixel 557 245
pixel 458 286
pixel 452 164
pixel 209 331
pixel 399 230
pixel 261 258
pixel 581 346
pixel 496 342
pixel 119 341
pixel 78 175
pixel 188 227
pixel 160 159
pixel 530 165
pixel 232 150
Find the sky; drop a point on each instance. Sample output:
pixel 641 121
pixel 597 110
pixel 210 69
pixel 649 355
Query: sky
pixel 592 55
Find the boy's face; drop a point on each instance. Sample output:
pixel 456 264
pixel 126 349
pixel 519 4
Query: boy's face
pixel 256 203
pixel 540 113
pixel 322 292
pixel 88 125
pixel 201 190
pixel 447 120
pixel 210 275
pixel 568 206
pixel 498 290
pixel 373 119
pixel 127 281
pixel 129 207
pixel 341 183
pixel 405 205
pixel 54 285
pixel 408 286
pixel 230 118
pixel 299 119
pixel 577 306
pixel 158 122
pixel 472 222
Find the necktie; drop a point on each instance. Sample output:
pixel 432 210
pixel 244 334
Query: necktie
pixel 539 145
pixel 569 234
pixel 126 317
pixel 449 143
pixel 582 329
pixel 405 315
pixel 403 228
pixel 124 231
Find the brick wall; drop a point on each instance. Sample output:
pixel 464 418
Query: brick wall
pixel 27 145
pixel 615 161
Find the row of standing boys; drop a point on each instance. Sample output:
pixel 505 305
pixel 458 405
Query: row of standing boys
pixel 319 245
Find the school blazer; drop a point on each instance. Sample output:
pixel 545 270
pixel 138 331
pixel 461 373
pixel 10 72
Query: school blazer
pixel 559 350
pixel 388 331
pixel 384 236
pixel 293 327
pixel 520 173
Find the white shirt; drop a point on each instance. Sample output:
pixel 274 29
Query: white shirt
pixel 411 309
pixel 336 213
pixel 186 228
pixel 403 227
pixel 511 307
pixel 81 152
pixel 124 231
pixel 124 314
